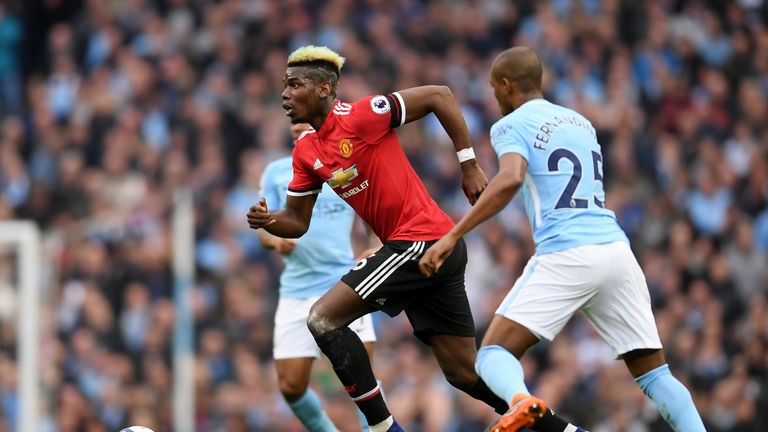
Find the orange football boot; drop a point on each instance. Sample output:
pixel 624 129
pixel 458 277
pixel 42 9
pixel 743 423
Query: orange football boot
pixel 524 410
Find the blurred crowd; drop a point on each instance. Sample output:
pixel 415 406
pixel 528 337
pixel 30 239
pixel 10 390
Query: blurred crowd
pixel 107 107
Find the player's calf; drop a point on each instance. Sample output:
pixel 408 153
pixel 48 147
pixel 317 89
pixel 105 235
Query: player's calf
pixel 672 399
pixel 350 361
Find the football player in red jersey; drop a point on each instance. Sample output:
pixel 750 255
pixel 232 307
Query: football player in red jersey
pixel 354 148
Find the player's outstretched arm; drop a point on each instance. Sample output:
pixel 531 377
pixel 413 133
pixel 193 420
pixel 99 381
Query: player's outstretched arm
pixel 291 222
pixel 281 245
pixel 500 190
pixel 419 102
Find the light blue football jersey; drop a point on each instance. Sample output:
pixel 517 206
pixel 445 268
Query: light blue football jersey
pixel 563 191
pixel 324 254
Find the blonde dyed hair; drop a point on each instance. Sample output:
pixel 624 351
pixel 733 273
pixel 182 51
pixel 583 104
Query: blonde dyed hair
pixel 312 54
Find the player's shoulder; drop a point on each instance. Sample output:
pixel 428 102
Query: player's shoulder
pixel 303 142
pixel 506 125
pixel 378 104
pixel 526 116
pixel 305 136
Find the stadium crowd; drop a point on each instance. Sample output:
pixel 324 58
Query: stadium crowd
pixel 109 106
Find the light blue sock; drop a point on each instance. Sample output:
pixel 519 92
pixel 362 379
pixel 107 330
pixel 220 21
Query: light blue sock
pixel 308 409
pixel 672 399
pixel 501 371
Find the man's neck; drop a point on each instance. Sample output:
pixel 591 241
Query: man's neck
pixel 527 97
pixel 317 122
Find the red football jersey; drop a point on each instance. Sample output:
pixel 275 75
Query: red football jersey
pixel 358 154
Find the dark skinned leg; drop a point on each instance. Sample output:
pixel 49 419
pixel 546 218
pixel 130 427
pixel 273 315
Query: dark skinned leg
pixel 328 320
pixel 639 362
pixel 456 357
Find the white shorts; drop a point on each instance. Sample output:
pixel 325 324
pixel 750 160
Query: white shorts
pixel 603 281
pixel 292 338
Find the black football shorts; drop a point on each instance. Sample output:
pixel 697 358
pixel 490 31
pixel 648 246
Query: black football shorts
pixel 390 281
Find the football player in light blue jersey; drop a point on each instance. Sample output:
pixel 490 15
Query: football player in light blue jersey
pixel 313 264
pixel 583 260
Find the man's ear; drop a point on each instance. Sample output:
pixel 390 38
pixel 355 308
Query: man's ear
pixel 507 84
pixel 325 89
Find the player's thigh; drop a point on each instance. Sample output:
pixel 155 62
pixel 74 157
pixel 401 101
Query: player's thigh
pixel 337 308
pixel 510 335
pixel 389 279
pixel 621 308
pixel 291 338
pixel 550 290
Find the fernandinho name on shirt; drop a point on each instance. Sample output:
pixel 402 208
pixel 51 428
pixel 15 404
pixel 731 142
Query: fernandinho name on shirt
pixel 545 130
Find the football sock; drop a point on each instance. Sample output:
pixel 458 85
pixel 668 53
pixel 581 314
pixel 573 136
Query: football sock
pixel 504 375
pixel 672 399
pixel 307 408
pixel 353 367
pixel 550 422
pixel 501 371
pixel 360 416
pixel 383 426
pixel 480 391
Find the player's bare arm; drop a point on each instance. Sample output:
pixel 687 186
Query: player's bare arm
pixel 291 222
pixel 419 102
pixel 500 190
pixel 280 245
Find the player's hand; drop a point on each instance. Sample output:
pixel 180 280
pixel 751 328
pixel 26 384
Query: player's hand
pixel 436 255
pixel 259 215
pixel 473 180
pixel 285 246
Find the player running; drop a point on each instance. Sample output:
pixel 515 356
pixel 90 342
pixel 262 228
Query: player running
pixel 583 260
pixel 312 265
pixel 353 148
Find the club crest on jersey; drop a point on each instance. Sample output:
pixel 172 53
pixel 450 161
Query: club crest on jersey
pixel 380 105
pixel 345 147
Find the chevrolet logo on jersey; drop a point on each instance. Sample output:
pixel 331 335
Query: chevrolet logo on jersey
pixel 343 177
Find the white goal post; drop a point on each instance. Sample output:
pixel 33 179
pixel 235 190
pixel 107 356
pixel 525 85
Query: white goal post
pixel 24 237
pixel 183 226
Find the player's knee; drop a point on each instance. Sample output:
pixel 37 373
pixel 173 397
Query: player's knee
pixel 463 378
pixel 291 389
pixel 318 322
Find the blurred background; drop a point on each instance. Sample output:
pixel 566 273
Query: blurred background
pixel 109 106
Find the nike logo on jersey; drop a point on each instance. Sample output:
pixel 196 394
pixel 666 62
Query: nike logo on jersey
pixel 317 164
